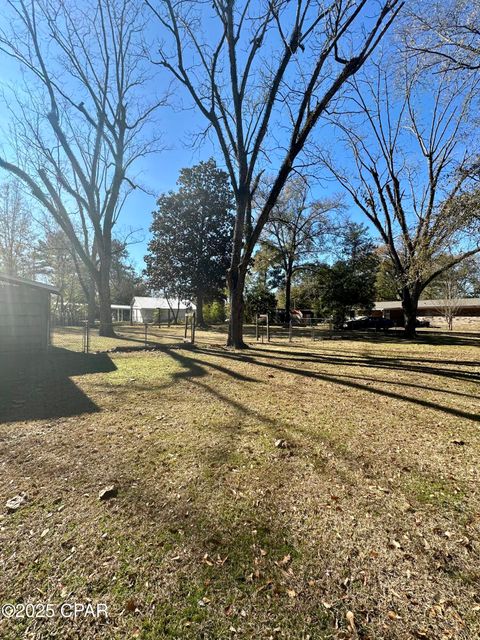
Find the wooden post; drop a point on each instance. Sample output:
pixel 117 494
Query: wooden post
pixel 86 337
pixel 290 331
pixel 168 316
pixel 186 326
pixel 268 328
pixel 194 323
pixel 146 333
pixel 159 317
pixel 256 326
pixel 313 332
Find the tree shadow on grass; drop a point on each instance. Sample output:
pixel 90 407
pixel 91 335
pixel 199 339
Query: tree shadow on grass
pixel 38 386
pixel 195 365
pixel 429 337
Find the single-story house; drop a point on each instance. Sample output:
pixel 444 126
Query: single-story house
pixel 162 310
pixel 464 307
pixel 121 312
pixel 24 314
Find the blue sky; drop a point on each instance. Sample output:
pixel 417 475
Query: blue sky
pixel 158 173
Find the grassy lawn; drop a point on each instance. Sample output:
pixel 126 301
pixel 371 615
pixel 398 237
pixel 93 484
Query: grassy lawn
pixel 316 490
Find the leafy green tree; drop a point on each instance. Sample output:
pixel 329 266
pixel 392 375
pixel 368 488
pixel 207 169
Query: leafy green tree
pixel 192 236
pixel 386 282
pixel 125 282
pixel 259 299
pixel 350 282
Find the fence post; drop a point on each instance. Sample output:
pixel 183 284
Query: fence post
pixel 194 323
pixel 313 332
pixel 159 317
pixel 186 326
pixel 268 328
pixel 290 331
pixel 146 333
pixel 86 337
pixel 168 316
pixel 256 326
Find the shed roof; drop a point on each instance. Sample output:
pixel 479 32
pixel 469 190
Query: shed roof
pixel 140 302
pixel 427 304
pixel 15 280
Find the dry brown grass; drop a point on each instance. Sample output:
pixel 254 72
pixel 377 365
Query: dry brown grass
pixel 371 508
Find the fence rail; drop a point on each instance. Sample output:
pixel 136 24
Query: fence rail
pixel 87 339
pixel 310 328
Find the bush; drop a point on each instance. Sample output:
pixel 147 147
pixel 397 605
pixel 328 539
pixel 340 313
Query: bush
pixel 214 312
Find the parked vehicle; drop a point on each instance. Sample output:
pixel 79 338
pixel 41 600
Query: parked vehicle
pixel 423 323
pixel 369 322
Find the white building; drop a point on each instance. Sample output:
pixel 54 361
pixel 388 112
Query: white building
pixel 171 310
pixel 121 312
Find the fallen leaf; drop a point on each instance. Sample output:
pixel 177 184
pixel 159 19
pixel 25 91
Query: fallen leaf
pixel 351 620
pixel 130 605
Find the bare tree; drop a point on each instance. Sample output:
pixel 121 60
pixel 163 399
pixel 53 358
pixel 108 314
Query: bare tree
pixel 296 231
pixel 445 33
pixel 262 77
pixel 17 233
pixel 77 123
pixel 409 171
pixel 450 302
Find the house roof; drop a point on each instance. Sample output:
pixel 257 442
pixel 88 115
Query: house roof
pixel 120 306
pixel 15 280
pixel 427 304
pixel 161 303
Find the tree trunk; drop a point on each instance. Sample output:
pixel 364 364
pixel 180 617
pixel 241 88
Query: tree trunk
pixel 236 282
pixel 105 303
pixel 410 308
pixel 199 313
pixel 236 273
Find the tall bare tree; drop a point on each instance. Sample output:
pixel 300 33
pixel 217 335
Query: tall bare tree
pixel 409 171
pixel 296 231
pixel 262 77
pixel 17 232
pixel 77 122
pixel 445 33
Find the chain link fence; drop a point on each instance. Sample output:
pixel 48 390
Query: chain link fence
pixel 85 337
pixel 310 329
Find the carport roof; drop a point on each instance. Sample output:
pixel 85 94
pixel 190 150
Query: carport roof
pixel 140 302
pixel 427 304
